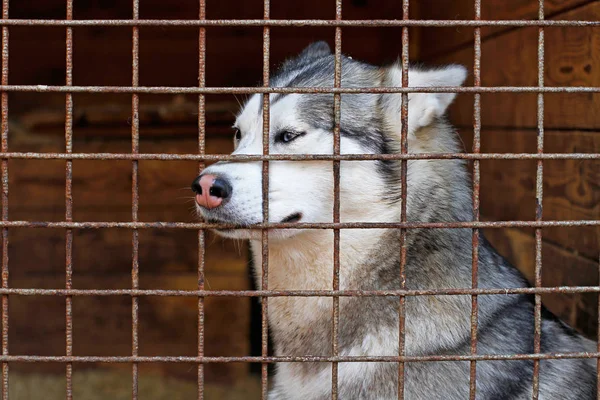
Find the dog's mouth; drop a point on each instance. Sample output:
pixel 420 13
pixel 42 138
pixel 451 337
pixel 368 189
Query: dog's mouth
pixel 224 222
pixel 292 218
pixel 227 231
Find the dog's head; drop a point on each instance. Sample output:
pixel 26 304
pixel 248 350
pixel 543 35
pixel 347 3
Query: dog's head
pixel 302 191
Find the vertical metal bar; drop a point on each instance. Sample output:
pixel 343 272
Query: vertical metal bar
pixel 201 150
pixel 265 200
pixel 5 200
pixel 403 184
pixel 336 198
pixel 476 184
pixel 135 148
pixel 539 183
pixel 69 203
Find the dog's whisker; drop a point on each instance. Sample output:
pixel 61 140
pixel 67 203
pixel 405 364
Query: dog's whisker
pixel 238 101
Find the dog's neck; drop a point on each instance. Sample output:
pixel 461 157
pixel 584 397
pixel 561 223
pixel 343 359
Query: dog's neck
pixel 305 262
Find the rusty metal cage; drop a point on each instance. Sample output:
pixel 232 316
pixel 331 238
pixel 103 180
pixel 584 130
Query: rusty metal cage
pixel 68 292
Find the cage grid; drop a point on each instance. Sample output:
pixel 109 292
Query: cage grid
pixel 201 157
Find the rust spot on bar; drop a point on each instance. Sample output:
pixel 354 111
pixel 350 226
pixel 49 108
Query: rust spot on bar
pixel 265 199
pixel 296 293
pixel 403 193
pixel 135 197
pixel 598 337
pixel 537 330
pixel 280 359
pixel 300 225
pixel 4 135
pixel 476 191
pixel 292 90
pixel 201 151
pixel 301 157
pixel 375 23
pixel 336 199
pixel 69 203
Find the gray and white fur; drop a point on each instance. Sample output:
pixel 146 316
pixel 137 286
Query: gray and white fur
pixel 438 191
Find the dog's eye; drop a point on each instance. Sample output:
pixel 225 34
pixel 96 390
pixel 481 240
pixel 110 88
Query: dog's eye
pixel 287 136
pixel 237 134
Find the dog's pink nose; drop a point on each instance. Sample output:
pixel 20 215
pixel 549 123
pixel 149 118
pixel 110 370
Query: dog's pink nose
pixel 211 190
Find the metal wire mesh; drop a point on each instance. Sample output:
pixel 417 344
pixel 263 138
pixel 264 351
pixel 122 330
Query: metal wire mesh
pixel 201 157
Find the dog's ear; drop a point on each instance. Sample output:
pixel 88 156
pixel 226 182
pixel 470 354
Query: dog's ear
pixel 315 50
pixel 423 108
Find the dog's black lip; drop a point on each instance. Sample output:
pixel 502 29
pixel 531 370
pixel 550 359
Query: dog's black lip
pixel 221 221
pixel 216 221
pixel 295 217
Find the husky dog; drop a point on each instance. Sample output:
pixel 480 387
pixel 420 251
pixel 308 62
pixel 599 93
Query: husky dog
pixel 302 259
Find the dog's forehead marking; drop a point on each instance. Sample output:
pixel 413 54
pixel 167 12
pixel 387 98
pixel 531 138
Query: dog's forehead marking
pixel 250 112
pixel 282 113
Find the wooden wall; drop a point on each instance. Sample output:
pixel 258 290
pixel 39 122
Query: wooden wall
pixel 102 189
pixel 571 189
pixel 102 258
pixel 169 259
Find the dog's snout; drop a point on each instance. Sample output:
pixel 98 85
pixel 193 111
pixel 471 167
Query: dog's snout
pixel 211 190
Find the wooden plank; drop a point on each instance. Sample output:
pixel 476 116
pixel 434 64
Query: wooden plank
pixel 559 268
pixel 102 189
pixel 102 325
pixel 449 39
pixel 233 9
pixel 102 259
pixel 107 252
pixel 571 57
pixel 158 116
pixel 169 56
pixel 571 187
pixel 106 185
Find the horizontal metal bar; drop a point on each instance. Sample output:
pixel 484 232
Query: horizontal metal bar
pixel 299 225
pixel 297 23
pixel 296 293
pixel 288 90
pixel 299 157
pixel 280 359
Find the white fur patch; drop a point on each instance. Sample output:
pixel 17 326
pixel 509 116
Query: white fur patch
pixel 299 387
